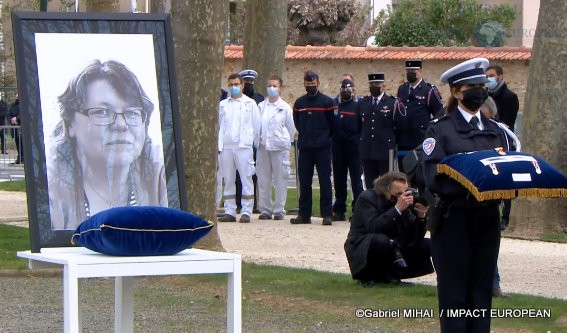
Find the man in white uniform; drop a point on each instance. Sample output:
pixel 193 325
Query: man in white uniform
pixel 239 128
pixel 276 133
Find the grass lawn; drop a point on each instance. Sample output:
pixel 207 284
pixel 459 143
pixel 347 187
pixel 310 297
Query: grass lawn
pixel 13 186
pixel 278 299
pixel 292 203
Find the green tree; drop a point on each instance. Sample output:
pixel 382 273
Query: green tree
pixel 444 22
pixel 320 21
pixel 543 130
pixel 355 32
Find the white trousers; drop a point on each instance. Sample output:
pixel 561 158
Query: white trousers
pixel 272 166
pixel 241 160
pixel 218 195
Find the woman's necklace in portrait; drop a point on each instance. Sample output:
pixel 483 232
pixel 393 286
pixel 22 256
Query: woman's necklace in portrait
pixel 131 200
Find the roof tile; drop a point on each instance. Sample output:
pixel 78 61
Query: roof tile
pixel 393 52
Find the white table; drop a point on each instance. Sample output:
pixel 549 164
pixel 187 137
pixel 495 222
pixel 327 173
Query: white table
pixel 80 262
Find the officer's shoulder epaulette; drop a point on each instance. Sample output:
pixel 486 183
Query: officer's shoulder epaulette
pixel 439 119
pixel 366 98
pixel 394 97
pixel 431 85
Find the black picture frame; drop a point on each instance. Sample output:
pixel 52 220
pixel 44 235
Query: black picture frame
pixel 26 27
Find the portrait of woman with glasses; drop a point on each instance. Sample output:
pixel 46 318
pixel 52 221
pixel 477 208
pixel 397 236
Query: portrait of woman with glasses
pixel 101 153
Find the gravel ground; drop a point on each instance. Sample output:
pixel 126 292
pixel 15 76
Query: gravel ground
pixel 526 267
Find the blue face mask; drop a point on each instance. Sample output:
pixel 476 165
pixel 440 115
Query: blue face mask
pixel 492 83
pixel 235 91
pixel 273 91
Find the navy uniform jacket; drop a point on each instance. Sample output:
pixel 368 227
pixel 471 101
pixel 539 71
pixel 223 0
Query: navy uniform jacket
pixel 346 126
pixel 379 126
pixel 452 134
pixel 313 119
pixel 376 215
pixel 422 103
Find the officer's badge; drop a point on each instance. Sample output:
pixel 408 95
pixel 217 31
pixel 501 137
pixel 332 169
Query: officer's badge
pixel 336 112
pixel 428 146
pixel 385 109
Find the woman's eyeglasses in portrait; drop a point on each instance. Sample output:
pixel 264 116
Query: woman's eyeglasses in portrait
pixel 133 116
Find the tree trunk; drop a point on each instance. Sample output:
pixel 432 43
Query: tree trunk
pixel 108 6
pixel 199 55
pixel 544 118
pixel 264 39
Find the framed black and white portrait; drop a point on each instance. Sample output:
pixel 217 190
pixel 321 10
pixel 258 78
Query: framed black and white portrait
pixel 99 117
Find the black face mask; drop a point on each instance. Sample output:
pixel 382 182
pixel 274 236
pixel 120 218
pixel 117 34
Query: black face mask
pixel 248 89
pixel 394 199
pixel 346 95
pixel 411 76
pixel 375 91
pixel 311 90
pixel 474 98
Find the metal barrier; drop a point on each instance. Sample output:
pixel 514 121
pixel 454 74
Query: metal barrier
pixel 9 168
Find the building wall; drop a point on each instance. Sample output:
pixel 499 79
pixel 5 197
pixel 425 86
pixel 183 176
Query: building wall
pixel 529 16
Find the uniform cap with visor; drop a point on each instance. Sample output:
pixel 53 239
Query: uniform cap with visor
pixel 346 83
pixel 413 64
pixel 248 74
pixel 468 72
pixel 376 77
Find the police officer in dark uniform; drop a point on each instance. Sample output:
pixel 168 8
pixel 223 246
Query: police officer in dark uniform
pixel 313 118
pixel 466 235
pixel 346 136
pixel 248 77
pixel 380 116
pixel 422 101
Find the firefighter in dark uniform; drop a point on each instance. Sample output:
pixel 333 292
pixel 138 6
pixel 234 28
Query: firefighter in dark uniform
pixel 380 116
pixel 313 118
pixel 248 77
pixel 346 136
pixel 422 101
pixel 465 233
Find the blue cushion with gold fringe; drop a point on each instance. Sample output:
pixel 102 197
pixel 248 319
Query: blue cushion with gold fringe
pixel 495 174
pixel 140 231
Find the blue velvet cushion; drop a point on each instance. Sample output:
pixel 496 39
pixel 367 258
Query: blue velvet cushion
pixel 495 174
pixel 140 231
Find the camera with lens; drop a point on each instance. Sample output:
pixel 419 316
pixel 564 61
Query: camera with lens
pixel 414 193
pixel 416 197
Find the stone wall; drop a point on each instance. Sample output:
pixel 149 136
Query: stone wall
pixel 515 74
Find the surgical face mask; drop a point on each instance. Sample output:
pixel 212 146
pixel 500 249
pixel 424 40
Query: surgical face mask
pixel 248 89
pixel 234 91
pixel 273 91
pixel 346 95
pixel 411 76
pixel 375 91
pixel 311 90
pixel 492 83
pixel 474 98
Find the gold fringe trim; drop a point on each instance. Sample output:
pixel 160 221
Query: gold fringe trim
pixel 500 194
pixel 543 192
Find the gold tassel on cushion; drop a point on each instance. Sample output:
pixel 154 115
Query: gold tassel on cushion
pixel 543 192
pixel 500 194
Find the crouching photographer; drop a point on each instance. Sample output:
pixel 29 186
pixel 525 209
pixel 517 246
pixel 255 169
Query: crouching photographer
pixel 386 239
